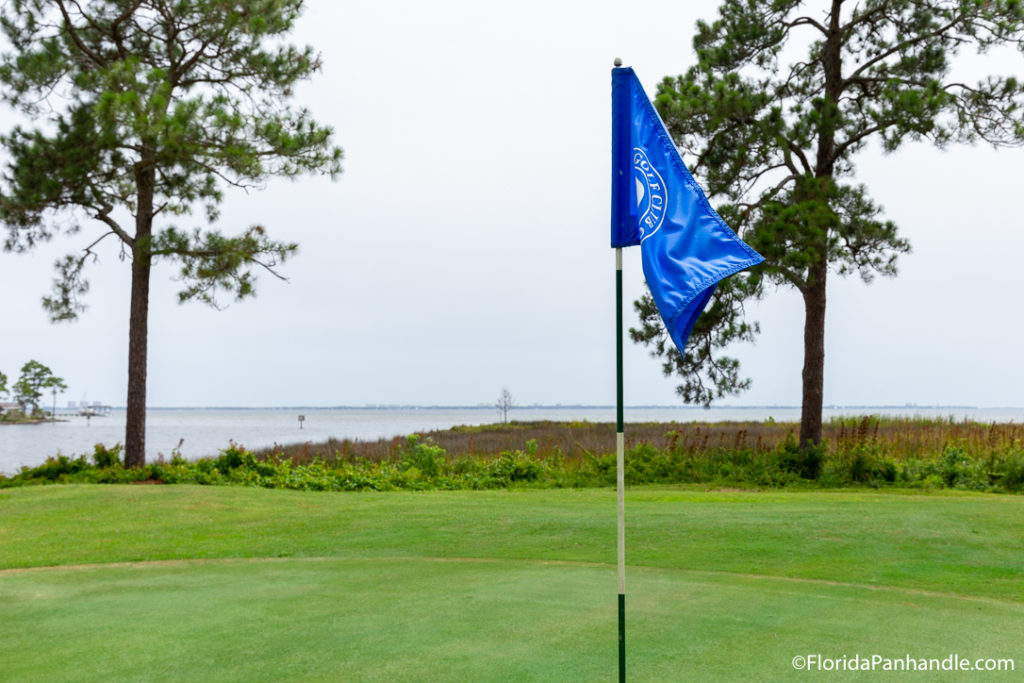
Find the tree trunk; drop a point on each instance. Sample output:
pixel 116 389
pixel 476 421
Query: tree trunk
pixel 814 357
pixel 138 322
pixel 814 292
pixel 138 328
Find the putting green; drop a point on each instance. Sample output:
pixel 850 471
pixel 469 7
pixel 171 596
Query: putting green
pixel 451 620
pixel 199 583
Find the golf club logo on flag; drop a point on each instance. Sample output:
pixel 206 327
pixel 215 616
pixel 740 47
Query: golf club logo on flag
pixel 650 194
pixel 686 248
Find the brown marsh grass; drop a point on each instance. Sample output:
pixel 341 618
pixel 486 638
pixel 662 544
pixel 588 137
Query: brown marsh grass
pixel 898 438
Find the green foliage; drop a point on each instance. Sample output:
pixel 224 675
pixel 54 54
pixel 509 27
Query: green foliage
pixel 106 457
pixel 35 379
pixel 424 456
pixel 146 111
pixel 960 470
pixel 516 466
pixel 167 103
pixel 770 119
pixel 1009 471
pixel 864 463
pixel 803 462
pixel 707 375
pixel 3 384
pixel 59 467
pixel 863 460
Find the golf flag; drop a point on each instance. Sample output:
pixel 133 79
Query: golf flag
pixel 686 248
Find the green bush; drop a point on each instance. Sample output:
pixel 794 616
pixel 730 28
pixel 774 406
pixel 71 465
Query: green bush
pixel 803 462
pixel 58 467
pixel 425 456
pixel 960 471
pixel 862 464
pixel 516 466
pixel 1010 473
pixel 106 457
pixel 230 458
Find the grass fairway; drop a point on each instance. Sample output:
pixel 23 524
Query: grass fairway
pixel 204 583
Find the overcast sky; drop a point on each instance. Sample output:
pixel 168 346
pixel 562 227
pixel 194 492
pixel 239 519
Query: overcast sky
pixel 465 246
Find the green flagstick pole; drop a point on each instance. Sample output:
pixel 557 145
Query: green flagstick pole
pixel 619 465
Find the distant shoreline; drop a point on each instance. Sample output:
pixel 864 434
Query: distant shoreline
pixel 574 406
pixel 32 421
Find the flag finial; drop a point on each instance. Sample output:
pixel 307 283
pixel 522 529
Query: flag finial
pixel 618 61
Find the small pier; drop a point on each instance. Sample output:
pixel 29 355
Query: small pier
pixel 87 410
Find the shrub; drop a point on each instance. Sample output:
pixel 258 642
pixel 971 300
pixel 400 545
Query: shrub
pixel 230 458
pixel 803 462
pixel 864 463
pixel 57 467
pixel 960 471
pixel 515 466
pixel 1010 476
pixel 425 456
pixel 106 457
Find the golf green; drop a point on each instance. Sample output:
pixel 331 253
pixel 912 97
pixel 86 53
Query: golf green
pixel 169 583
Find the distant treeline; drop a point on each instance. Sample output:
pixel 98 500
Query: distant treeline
pixel 870 451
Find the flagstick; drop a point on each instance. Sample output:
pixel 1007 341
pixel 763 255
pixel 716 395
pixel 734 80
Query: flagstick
pixel 619 465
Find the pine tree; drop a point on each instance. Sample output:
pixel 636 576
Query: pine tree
pixel 774 142
pixel 151 108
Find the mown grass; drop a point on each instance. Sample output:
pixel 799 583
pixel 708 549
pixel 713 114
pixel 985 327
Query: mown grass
pixel 231 583
pixel 963 543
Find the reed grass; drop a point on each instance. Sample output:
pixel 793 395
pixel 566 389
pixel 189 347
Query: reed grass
pixel 899 439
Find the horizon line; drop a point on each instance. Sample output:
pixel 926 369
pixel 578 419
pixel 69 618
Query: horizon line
pixel 563 406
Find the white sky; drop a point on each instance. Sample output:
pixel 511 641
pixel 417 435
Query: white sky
pixel 465 246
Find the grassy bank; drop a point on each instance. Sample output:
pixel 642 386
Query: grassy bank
pixel 872 452
pixel 149 582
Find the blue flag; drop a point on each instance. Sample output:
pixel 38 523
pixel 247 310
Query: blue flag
pixel 686 248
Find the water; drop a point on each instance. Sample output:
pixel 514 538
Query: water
pixel 208 430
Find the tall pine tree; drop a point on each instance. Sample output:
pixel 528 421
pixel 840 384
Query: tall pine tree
pixel 151 108
pixel 774 141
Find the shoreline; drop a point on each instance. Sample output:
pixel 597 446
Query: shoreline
pixel 207 432
pixel 32 421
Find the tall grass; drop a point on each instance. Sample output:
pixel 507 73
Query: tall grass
pixel 897 438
